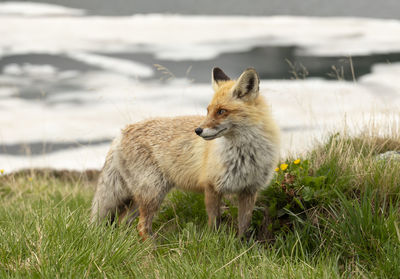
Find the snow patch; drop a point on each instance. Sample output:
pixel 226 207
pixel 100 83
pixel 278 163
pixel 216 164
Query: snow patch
pixel 76 159
pixel 30 70
pixel 180 37
pixel 116 65
pixel 13 8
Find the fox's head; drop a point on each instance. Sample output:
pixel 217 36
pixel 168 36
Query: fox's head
pixel 235 104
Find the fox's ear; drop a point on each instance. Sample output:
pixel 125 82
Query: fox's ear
pixel 217 77
pixel 247 86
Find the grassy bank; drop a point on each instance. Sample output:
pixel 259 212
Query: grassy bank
pixel 333 213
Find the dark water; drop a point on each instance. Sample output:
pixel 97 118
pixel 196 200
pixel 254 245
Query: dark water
pixel 270 62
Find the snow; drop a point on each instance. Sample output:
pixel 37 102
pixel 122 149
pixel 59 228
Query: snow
pixel 76 159
pixel 28 69
pixel 36 9
pixel 304 109
pixel 180 37
pixel 116 65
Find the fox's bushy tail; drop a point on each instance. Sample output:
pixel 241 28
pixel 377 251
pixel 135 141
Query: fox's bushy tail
pixel 112 197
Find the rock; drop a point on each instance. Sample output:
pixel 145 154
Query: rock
pixel 389 155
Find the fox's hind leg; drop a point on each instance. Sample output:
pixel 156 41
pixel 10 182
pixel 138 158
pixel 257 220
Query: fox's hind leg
pixel 146 214
pixel 128 213
pixel 149 198
pixel 147 210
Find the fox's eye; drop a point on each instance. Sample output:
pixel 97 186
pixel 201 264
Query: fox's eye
pixel 221 111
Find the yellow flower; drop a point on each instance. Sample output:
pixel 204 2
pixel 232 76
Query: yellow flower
pixel 284 166
pixel 30 179
pixel 296 162
pixel 276 169
pixel 1 171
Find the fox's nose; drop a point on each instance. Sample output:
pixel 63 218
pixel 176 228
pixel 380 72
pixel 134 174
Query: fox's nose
pixel 198 131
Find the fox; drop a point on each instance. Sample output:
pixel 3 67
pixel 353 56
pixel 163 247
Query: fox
pixel 232 150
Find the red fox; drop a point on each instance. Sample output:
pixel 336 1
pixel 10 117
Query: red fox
pixel 233 150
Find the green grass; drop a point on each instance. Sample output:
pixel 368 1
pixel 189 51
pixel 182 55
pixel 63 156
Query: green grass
pixel 334 215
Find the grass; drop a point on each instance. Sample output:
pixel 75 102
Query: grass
pixel 333 215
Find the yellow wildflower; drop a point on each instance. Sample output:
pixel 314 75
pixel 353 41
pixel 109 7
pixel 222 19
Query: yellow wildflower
pixel 1 171
pixel 284 166
pixel 276 169
pixel 296 162
pixel 30 179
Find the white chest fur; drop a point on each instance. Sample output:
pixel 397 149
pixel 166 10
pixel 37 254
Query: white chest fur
pixel 248 161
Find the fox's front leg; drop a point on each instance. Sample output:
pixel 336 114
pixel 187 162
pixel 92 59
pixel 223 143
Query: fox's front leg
pixel 246 206
pixel 213 206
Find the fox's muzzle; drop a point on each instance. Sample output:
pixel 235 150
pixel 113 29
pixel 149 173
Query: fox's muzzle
pixel 209 134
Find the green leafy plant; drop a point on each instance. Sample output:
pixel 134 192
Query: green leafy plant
pixel 295 188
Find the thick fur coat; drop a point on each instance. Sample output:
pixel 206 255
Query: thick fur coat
pixel 233 150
